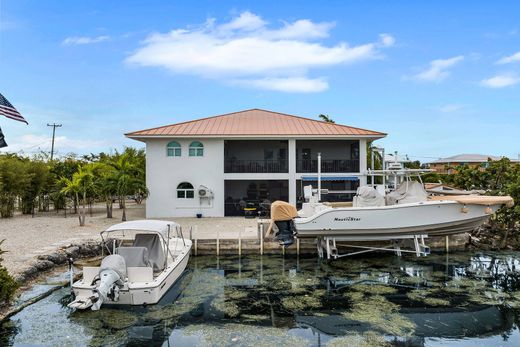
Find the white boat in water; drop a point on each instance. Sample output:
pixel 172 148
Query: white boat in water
pixel 145 259
pixel 406 212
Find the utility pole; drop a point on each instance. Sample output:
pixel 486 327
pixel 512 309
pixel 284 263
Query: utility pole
pixel 54 126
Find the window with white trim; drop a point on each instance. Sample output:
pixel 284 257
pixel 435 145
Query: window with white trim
pixel 173 149
pixel 196 149
pixel 185 190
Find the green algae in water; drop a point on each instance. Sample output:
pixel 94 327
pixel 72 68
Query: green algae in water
pixel 220 306
pixel 380 314
pixel 367 339
pixel 235 294
pixel 244 335
pixel 427 296
pixel 374 289
pixel 229 308
pixel 300 303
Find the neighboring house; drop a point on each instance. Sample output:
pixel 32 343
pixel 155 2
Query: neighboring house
pixel 218 166
pixel 446 165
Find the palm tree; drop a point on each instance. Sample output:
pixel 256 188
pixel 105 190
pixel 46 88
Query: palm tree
pixel 128 177
pixel 81 184
pixel 106 184
pixel 326 118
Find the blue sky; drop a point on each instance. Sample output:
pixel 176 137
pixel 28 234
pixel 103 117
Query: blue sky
pixel 441 78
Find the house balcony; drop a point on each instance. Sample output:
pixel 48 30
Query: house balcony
pixel 256 156
pixel 256 166
pixel 327 165
pixel 336 156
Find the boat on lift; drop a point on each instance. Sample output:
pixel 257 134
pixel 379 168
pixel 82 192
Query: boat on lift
pixel 145 258
pixel 406 212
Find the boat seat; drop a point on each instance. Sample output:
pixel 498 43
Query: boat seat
pixel 154 245
pixel 134 256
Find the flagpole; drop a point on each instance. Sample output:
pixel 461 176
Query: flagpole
pixel 54 126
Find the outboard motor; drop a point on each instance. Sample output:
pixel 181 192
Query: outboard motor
pixel 285 233
pixel 282 214
pixel 112 274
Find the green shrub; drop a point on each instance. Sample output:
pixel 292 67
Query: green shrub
pixel 8 285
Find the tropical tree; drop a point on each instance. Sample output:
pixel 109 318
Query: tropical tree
pixel 106 185
pixel 39 175
pixel 326 118
pixel 129 177
pixel 81 184
pixel 13 182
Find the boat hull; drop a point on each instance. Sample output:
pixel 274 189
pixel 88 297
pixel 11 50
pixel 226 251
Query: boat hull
pixel 430 218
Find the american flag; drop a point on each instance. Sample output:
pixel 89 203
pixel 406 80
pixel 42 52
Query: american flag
pixel 8 110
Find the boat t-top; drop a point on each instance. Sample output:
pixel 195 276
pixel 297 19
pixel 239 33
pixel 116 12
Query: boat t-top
pixel 145 258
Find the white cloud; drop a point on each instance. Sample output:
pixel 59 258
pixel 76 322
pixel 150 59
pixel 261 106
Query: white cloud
pixel 500 81
pixel 247 21
pixel 439 69
pixel 246 50
pixel 510 59
pixel 84 40
pixel 288 84
pixel 387 40
pixel 448 108
pixel 31 143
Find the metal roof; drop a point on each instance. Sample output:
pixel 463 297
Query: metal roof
pixel 255 122
pixel 468 158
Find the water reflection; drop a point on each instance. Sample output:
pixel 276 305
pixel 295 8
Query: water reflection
pixel 381 300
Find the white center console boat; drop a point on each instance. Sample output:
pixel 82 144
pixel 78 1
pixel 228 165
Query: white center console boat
pixel 145 258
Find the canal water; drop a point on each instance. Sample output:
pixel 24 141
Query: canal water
pixel 459 299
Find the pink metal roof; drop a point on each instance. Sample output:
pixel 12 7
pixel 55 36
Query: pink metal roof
pixel 255 122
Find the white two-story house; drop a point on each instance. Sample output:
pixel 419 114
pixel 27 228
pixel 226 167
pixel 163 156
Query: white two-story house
pixel 218 166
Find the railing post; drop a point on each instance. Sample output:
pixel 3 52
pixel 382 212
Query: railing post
pixel 240 242
pixel 218 244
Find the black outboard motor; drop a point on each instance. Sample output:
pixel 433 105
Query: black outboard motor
pixel 283 214
pixel 285 233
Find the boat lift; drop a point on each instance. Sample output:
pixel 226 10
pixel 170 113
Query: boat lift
pixel 327 246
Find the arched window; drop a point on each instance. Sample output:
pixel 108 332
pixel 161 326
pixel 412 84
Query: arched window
pixel 173 149
pixel 196 149
pixel 185 191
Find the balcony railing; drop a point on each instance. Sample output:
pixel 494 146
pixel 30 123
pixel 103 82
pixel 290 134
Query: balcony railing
pixel 255 166
pixel 327 165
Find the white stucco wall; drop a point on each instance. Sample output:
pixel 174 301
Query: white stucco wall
pixel 163 174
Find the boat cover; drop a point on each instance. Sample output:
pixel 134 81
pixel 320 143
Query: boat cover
pixel 134 256
pixel 155 249
pixel 368 196
pixel 114 262
pixel 281 210
pixel 477 199
pixel 146 225
pixel 407 192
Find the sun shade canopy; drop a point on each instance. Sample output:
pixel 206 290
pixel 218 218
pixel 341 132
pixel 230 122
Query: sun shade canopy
pixel 151 226
pixel 330 178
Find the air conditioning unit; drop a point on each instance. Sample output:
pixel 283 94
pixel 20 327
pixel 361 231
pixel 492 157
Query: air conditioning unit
pixel 204 192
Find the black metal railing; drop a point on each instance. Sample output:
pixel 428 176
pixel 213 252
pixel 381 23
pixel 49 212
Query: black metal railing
pixel 327 165
pixel 255 166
